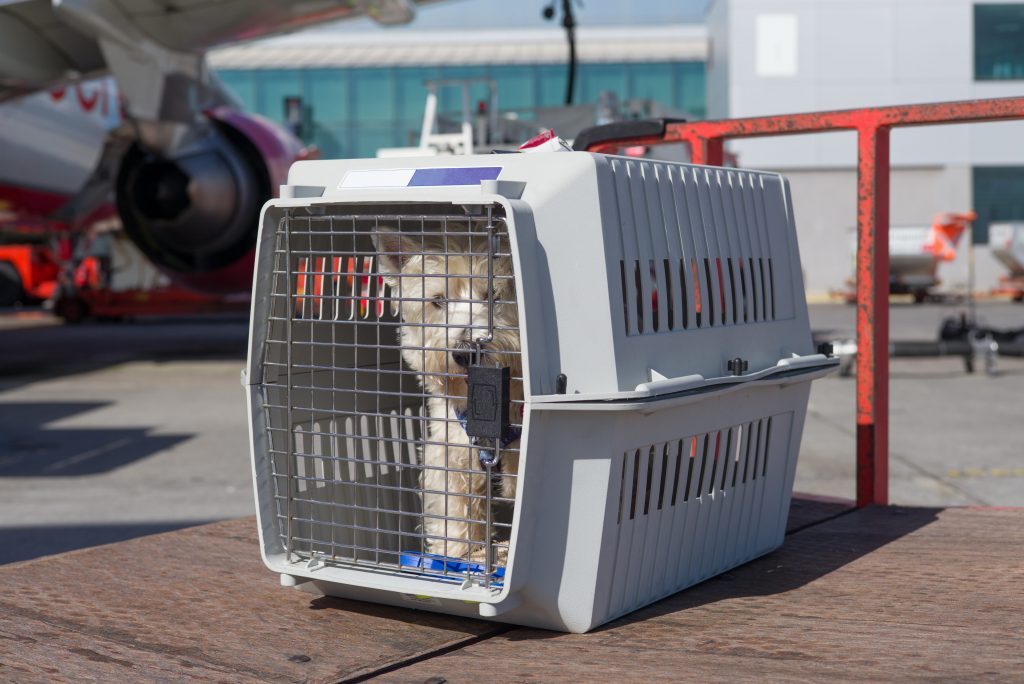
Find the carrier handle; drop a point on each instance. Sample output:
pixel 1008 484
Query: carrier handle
pixel 635 131
pixel 671 385
pixel 686 382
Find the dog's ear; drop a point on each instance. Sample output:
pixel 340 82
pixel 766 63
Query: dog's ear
pixel 393 252
pixel 393 249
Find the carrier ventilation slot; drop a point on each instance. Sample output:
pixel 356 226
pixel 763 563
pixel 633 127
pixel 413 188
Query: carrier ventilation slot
pixel 671 473
pixel 692 258
pixel 723 289
pixel 338 504
pixel 338 288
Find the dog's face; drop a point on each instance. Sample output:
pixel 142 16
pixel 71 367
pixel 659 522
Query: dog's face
pixel 439 287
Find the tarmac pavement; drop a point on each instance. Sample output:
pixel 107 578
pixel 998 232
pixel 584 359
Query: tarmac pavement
pixel 955 438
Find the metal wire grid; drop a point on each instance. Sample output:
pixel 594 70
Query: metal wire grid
pixel 347 419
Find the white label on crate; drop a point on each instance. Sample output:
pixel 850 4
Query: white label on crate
pixel 377 178
pixel 421 178
pixel 776 45
pixel 422 600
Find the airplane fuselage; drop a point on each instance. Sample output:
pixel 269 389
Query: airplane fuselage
pixel 50 142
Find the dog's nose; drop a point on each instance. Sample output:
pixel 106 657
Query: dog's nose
pixel 463 354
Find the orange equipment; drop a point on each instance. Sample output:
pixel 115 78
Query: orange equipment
pixel 947 227
pixel 27 271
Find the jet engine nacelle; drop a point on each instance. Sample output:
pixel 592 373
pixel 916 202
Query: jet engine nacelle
pixel 195 213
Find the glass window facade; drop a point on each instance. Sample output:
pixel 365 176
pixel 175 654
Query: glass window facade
pixel 353 112
pixel 999 41
pixel 998 196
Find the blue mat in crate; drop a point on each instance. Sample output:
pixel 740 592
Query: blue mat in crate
pixel 452 569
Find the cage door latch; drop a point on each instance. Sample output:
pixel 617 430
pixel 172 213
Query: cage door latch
pixel 487 402
pixel 737 366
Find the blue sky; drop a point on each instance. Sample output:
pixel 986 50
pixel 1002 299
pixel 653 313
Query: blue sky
pixel 454 14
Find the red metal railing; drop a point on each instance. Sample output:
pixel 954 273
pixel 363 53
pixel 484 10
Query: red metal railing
pixel 706 140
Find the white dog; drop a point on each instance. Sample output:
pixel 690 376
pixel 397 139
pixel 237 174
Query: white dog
pixel 439 287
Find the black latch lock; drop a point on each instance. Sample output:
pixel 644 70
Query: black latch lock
pixel 737 366
pixel 487 402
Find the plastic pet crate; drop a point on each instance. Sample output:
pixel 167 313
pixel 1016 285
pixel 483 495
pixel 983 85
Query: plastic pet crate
pixel 546 389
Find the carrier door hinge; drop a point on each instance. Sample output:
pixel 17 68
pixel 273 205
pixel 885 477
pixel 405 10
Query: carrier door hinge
pixel 316 561
pixel 487 402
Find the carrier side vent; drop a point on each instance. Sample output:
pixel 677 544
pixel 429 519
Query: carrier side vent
pixel 693 257
pixel 687 506
pixel 668 474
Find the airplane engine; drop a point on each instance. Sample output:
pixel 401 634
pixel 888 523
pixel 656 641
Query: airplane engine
pixel 195 213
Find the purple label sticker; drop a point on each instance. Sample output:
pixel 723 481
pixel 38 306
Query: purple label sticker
pixel 453 176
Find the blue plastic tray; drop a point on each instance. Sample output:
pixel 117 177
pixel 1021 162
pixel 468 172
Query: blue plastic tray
pixel 452 569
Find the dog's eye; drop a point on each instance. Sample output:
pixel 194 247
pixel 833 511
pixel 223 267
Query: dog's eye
pixel 438 301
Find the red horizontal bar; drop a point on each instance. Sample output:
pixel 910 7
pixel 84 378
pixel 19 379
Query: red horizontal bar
pixel 699 132
pixel 871 117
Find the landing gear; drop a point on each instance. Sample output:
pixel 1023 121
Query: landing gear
pixel 72 309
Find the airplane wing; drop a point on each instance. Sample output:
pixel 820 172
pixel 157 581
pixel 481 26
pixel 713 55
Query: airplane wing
pixel 44 43
pixel 37 49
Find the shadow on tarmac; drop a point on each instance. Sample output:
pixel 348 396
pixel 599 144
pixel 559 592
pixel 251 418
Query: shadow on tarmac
pixel 26 543
pixel 28 448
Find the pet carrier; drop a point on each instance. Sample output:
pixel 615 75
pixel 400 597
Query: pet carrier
pixel 546 389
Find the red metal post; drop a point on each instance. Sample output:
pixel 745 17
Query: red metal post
pixel 872 314
pixel 705 149
pixel 715 151
pixel 698 148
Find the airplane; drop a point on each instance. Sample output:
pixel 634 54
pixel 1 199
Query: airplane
pixel 116 95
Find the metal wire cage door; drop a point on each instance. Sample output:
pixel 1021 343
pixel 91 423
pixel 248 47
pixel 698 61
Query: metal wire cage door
pixel 392 390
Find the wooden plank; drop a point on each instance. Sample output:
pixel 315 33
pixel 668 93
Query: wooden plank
pixel 32 650
pixel 879 594
pixel 196 604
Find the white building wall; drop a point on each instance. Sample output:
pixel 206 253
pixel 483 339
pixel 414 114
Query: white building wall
pixel 847 54
pixel 717 64
pixel 857 54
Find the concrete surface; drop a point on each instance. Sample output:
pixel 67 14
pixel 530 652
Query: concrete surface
pixel 108 432
pixel 955 438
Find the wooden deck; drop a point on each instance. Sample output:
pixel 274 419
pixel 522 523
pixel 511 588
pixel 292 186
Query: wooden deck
pixel 872 595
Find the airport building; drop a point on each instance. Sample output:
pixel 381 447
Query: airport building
pixel 364 90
